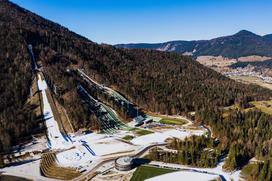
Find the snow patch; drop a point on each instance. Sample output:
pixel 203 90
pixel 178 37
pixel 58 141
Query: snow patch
pixel 161 137
pixel 185 175
pixel 187 53
pixel 56 139
pixel 41 84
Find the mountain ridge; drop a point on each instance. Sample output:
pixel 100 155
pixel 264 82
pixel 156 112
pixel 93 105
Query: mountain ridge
pixel 242 43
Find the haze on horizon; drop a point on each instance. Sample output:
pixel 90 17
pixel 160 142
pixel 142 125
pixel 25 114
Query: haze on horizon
pixel 121 21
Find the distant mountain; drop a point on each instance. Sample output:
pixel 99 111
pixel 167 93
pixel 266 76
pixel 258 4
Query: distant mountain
pixel 243 43
pixel 268 37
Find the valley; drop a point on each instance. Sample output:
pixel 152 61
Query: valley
pixel 84 155
pixel 78 155
pixel 248 70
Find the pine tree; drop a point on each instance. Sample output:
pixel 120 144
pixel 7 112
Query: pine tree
pixel 1 162
pixel 264 171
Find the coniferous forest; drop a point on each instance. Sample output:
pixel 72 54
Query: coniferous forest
pixel 198 151
pixel 242 134
pixel 162 82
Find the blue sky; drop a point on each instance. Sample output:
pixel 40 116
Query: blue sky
pixel 127 21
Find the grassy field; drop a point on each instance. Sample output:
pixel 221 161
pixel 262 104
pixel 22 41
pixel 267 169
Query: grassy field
pixel 264 106
pixel 64 118
pixel 173 121
pixel 166 119
pixel 252 80
pixel 128 137
pixel 249 170
pixel 141 132
pixel 146 172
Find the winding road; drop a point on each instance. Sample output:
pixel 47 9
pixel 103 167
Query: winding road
pixel 92 172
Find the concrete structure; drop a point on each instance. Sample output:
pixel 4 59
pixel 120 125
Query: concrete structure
pixel 148 120
pixel 138 121
pixel 124 163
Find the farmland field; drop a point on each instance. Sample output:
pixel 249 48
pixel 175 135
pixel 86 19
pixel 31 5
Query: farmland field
pixel 252 80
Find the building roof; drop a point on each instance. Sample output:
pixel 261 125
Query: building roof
pixel 124 161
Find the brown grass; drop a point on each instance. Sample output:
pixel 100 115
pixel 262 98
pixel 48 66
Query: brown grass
pixel 49 168
pixel 66 123
pixel 252 80
pixel 264 106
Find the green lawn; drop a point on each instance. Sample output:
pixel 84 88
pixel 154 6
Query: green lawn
pixel 167 119
pixel 146 172
pixel 264 106
pixel 141 132
pixel 173 121
pixel 248 170
pixel 128 137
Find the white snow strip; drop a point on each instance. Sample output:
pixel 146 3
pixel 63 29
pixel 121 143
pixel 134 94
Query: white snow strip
pixel 150 139
pixel 91 147
pixel 161 137
pixel 218 170
pixel 56 139
pixel 185 175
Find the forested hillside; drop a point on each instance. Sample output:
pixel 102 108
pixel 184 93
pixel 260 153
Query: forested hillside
pixel 157 81
pixel 15 79
pixel 245 134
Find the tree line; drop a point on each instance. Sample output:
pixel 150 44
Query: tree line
pixel 243 134
pixel 198 151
